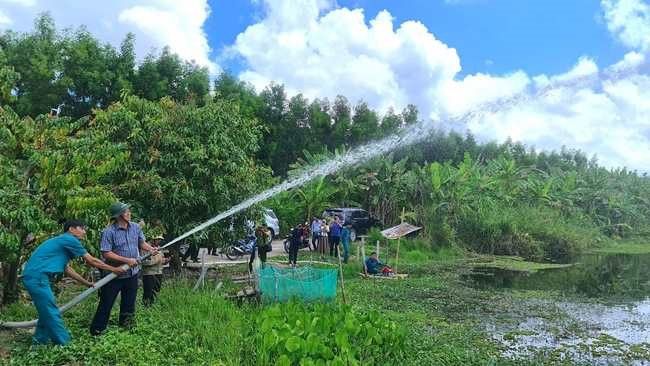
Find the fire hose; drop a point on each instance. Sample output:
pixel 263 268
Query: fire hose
pixel 106 279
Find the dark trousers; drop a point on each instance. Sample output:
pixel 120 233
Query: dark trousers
pixel 334 245
pixel 315 237
pixel 151 287
pixel 128 290
pixel 192 252
pixel 293 252
pixel 261 251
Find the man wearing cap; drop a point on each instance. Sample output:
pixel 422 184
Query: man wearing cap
pixel 47 261
pixel 152 274
pixel 120 243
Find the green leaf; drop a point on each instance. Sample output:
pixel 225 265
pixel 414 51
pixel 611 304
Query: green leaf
pixel 293 344
pixel 284 360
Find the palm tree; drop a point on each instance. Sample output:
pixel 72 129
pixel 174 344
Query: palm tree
pixel 315 197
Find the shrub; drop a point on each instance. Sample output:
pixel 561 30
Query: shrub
pixel 534 233
pixel 321 333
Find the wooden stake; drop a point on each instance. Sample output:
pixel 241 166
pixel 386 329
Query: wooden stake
pixel 397 256
pixel 363 259
pixel 338 252
pixel 204 270
pixel 377 251
pixel 398 242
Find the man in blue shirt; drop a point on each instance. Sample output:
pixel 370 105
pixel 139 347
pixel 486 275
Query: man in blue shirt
pixel 335 236
pixel 315 232
pixel 47 261
pixel 120 244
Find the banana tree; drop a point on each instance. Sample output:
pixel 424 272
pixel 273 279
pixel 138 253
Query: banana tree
pixel 315 197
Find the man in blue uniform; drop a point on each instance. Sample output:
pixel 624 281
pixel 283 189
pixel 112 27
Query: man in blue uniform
pixel 346 235
pixel 48 260
pixel 120 244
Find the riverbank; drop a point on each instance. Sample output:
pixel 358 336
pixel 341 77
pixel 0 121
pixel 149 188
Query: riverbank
pixel 448 317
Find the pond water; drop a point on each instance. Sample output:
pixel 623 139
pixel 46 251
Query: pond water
pixel 596 312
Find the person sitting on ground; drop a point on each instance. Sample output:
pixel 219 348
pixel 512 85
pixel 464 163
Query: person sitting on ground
pixel 152 273
pixel 375 267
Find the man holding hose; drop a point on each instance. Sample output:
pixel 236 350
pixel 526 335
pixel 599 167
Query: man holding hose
pixel 47 261
pixel 120 244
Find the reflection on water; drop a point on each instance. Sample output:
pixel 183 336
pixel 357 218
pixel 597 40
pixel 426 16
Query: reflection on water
pixel 594 275
pixel 610 325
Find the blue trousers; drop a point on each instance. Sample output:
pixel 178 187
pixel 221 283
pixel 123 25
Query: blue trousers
pixel 346 250
pixel 50 327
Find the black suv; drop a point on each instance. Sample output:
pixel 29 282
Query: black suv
pixel 358 218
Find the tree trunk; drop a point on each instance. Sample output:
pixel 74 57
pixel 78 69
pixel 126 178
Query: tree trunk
pixel 10 276
pixel 175 258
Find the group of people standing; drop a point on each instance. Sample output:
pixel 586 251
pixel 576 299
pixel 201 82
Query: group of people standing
pixel 330 235
pixel 122 246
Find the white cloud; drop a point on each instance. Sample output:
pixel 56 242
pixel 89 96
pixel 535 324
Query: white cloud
pixel 459 96
pixel 326 53
pixel 321 50
pixel 176 24
pixel 155 23
pixel 4 20
pixel 610 119
pixel 19 2
pixel 629 20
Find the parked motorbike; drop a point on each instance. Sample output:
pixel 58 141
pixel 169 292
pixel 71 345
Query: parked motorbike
pixel 241 247
pixel 304 244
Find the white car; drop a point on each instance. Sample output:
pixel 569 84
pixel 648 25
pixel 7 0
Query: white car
pixel 270 220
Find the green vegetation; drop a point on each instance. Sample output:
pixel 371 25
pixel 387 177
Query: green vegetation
pixel 432 317
pixel 295 333
pixel 386 324
pixel 515 264
pixel 150 134
pixel 48 68
pixel 624 247
pixel 186 327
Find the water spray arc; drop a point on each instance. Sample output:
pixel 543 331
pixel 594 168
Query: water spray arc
pixel 410 135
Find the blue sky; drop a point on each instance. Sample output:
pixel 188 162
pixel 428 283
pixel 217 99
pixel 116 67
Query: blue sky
pixel 444 56
pixel 493 36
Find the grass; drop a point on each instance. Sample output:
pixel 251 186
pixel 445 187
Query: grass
pixel 624 247
pixel 184 327
pixel 197 328
pixel 440 315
